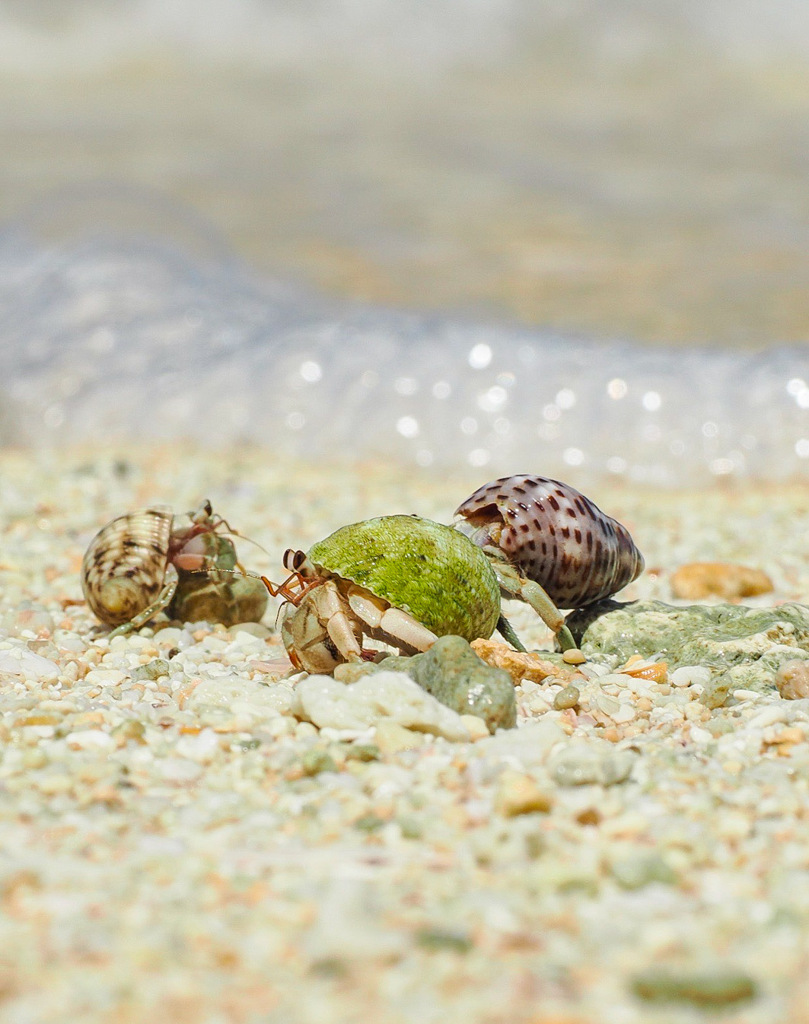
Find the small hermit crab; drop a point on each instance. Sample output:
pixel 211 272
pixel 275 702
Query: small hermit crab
pixel 400 579
pixel 145 561
pixel 550 545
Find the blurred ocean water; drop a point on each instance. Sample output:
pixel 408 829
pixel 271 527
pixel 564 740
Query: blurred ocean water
pixel 570 240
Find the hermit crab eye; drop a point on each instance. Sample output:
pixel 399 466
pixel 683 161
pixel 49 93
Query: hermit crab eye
pixel 293 560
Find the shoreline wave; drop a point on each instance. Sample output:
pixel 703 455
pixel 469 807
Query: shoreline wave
pixel 124 339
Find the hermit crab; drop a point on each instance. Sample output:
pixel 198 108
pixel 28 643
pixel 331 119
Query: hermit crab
pixel 400 579
pixel 565 551
pixel 145 561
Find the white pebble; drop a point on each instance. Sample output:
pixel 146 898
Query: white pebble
pixel 478 730
pixel 620 679
pixel 178 769
pixel 170 636
pixel 105 677
pixel 86 739
pixel 393 695
pixel 607 705
pixel 240 695
pixel 686 675
pixel 17 659
pixel 625 713
pixel 741 694
pixel 767 716
pixel 528 745
pixel 201 748
pixel 592 671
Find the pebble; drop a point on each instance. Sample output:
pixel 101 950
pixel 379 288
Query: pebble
pixel 475 726
pixel 315 761
pixel 390 738
pixel 634 870
pixel 383 695
pixel 201 747
pixel 88 739
pixel 723 986
pixel 105 677
pixel 567 697
pixel 518 793
pixel 520 665
pixel 688 675
pixel 581 764
pixel 698 580
pixel 231 698
pixel 16 658
pixel 476 874
pixel 792 679
pixel 179 769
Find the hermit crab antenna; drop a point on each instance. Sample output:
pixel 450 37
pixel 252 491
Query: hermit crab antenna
pixel 221 521
pixel 293 589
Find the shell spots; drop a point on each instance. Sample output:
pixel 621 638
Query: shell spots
pixel 555 536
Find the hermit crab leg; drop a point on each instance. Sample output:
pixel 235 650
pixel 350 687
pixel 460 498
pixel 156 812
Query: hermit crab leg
pixel 162 601
pixel 513 584
pixel 331 612
pixel 384 622
pixel 403 629
pixel 506 631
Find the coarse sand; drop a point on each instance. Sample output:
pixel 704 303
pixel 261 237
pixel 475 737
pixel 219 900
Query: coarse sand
pixel 183 839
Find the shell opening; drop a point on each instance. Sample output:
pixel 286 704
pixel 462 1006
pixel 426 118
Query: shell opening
pixel 483 526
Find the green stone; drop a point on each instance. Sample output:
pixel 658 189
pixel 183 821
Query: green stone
pixel 151 670
pixel 456 676
pixel 568 697
pixel 636 870
pixel 435 939
pixel 742 646
pixel 705 988
pixel 316 761
pixel 369 822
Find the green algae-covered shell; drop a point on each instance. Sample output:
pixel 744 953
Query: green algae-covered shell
pixel 429 570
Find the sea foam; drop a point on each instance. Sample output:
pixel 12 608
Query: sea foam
pixel 121 339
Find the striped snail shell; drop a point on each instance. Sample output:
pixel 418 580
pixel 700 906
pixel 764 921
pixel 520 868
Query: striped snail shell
pixel 124 568
pixel 554 536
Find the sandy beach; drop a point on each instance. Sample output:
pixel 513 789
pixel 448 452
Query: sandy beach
pixel 182 840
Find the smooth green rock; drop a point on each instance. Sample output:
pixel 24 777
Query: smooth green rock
pixel 434 939
pixel 151 670
pixel 315 761
pixel 455 675
pixel 742 646
pixel 635 870
pixel 720 987
pixel 568 697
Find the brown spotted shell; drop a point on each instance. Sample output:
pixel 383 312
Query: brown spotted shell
pixel 124 567
pixel 554 535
